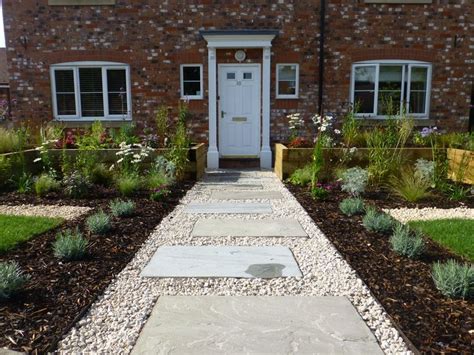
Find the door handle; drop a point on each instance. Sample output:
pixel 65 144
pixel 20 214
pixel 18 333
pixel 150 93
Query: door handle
pixel 222 114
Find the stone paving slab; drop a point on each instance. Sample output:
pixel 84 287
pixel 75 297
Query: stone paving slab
pixel 238 179
pixel 283 227
pixel 222 261
pixel 255 325
pixel 245 195
pixel 223 186
pixel 227 207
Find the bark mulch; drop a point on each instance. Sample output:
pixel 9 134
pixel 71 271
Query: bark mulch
pixel 432 322
pixel 59 293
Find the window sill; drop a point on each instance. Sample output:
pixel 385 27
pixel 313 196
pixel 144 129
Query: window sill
pixel 79 123
pixel 191 98
pixel 286 97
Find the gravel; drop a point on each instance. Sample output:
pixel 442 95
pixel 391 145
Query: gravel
pixel 113 323
pixel 54 211
pixel 429 213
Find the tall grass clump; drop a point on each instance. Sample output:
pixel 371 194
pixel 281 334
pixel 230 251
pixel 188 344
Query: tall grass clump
pixel 70 245
pixel 454 280
pixel 10 141
pixel 377 222
pixel 45 184
pixel 405 243
pixel 128 184
pixel 99 223
pixel 409 185
pixel 12 279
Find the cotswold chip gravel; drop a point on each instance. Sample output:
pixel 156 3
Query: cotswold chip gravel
pixel 54 211
pixel 113 323
pixel 429 213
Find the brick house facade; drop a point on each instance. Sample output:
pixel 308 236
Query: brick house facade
pixel 429 40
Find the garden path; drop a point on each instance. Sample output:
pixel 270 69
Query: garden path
pixel 238 267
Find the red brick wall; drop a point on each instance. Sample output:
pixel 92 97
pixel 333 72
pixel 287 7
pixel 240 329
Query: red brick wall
pixel 156 37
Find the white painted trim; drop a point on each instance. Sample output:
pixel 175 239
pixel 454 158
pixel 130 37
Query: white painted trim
pixel 201 81
pixel 407 65
pixel 239 40
pixel 212 152
pixel 104 66
pixel 266 152
pixel 297 80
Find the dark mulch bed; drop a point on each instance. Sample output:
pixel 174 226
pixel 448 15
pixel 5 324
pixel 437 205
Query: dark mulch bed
pixel 59 293
pixel 432 322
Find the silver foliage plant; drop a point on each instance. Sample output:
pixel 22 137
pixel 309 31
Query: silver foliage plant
pixel 424 170
pixel 354 181
pixel 12 279
pixel 453 279
pixel 406 243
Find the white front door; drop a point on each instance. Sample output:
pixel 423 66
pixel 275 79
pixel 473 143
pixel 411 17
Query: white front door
pixel 239 110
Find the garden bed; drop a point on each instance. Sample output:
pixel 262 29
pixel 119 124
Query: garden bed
pixel 432 322
pixel 59 293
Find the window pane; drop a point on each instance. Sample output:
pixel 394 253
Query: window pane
pixel 92 105
pixel 90 79
pixel 364 101
pixel 230 76
pixel 66 104
pixel 116 80
pixel 364 78
pixel 64 80
pixel 287 88
pixel 418 78
pixel 390 78
pixel 417 102
pixel 287 72
pixel 118 104
pixel 191 73
pixel 247 76
pixel 389 102
pixel 191 88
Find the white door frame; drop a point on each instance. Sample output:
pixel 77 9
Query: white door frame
pixel 259 83
pixel 239 39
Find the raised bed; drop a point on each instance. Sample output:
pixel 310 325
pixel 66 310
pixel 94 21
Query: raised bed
pixel 195 170
pixel 461 165
pixel 287 160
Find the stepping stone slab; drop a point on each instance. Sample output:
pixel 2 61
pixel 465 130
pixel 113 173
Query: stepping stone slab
pixel 222 261
pixel 255 325
pixel 283 227
pixel 245 195
pixel 227 207
pixel 219 186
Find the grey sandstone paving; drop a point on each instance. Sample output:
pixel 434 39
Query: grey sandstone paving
pixel 233 227
pixel 228 207
pixel 245 195
pixel 222 261
pixel 255 325
pixel 234 187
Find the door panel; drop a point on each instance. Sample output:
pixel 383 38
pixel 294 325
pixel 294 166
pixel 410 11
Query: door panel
pixel 239 110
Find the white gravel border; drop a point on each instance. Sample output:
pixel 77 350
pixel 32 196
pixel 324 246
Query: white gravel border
pixel 53 211
pixel 430 213
pixel 114 322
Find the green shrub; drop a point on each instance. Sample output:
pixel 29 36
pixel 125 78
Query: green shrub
pixel 5 172
pixel 155 180
pixel 354 181
pixel 377 222
pixel 70 245
pixel 101 175
pixel 410 186
pixel 99 223
pixel 10 141
pixel 319 193
pixel 352 206
pixel 12 279
pixel 159 193
pixel 76 185
pixel 453 279
pixel 45 184
pixel 301 177
pixel 121 208
pixel 24 183
pixel 128 184
pixel 406 244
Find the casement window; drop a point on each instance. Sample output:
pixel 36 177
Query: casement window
pixel 388 88
pixel 287 81
pixel 91 91
pixel 191 81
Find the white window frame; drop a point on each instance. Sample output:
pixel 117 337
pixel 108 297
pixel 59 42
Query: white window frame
pixel 75 66
pixel 297 82
pixel 201 81
pixel 405 94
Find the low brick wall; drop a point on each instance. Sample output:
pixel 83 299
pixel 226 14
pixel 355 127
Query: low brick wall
pixel 194 171
pixel 287 160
